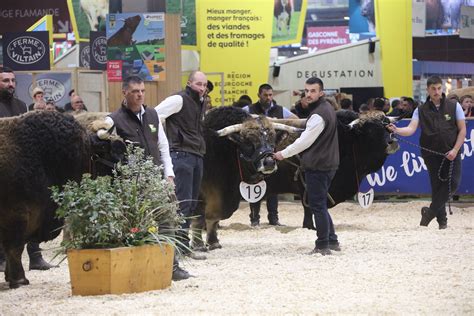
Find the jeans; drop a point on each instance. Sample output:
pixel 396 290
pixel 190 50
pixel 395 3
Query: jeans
pixel 317 186
pixel 188 169
pixel 440 189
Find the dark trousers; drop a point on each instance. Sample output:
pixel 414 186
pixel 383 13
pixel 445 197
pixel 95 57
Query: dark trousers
pixel 317 185
pixel 272 208
pixel 188 169
pixel 439 188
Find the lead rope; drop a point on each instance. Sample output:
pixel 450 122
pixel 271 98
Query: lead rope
pixel 240 167
pixel 450 171
pixel 355 167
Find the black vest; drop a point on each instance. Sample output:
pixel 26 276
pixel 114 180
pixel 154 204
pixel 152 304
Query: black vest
pixel 323 154
pixel 11 107
pixel 439 130
pixel 276 111
pixel 144 133
pixel 184 129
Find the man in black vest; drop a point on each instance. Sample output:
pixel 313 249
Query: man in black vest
pixel 443 130
pixel 141 125
pixel 319 151
pixel 11 106
pixel 268 107
pixel 184 113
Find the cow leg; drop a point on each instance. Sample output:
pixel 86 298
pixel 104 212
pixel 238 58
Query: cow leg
pixel 197 226
pixel 14 273
pixel 212 240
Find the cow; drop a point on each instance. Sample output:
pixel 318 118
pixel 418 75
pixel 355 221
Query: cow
pixel 38 150
pixel 282 11
pixel 95 10
pixel 124 36
pixel 367 10
pixel 238 148
pixel 364 144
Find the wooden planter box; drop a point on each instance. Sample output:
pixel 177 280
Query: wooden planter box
pixel 120 270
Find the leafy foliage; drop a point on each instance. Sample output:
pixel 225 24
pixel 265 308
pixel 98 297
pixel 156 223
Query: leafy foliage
pixel 132 208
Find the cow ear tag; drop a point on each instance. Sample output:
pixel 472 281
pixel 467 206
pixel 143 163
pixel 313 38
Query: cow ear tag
pixel 253 192
pixel 366 199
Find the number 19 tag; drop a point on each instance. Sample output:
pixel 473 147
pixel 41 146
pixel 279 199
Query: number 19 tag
pixel 253 192
pixel 366 199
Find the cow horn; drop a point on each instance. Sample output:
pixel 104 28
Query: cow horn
pixel 283 127
pixel 354 122
pixel 103 134
pixel 229 130
pixel 393 119
pixel 300 123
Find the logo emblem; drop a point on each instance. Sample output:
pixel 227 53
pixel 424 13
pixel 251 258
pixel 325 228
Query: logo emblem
pixel 86 57
pixel 26 50
pixel 99 50
pixel 53 89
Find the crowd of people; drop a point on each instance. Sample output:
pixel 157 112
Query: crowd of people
pixel 180 146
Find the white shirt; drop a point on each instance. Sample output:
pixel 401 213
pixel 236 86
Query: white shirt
pixel 163 144
pixel 169 106
pixel 314 127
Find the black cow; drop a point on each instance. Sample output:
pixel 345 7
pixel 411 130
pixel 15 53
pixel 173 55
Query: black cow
pixel 39 150
pixel 239 148
pixel 364 144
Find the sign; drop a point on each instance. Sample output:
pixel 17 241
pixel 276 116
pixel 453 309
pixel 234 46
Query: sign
pixel 362 19
pixel 87 16
pixel 326 37
pixel 253 192
pixel 114 70
pixel 188 25
pixel 235 38
pixel 467 22
pixel 19 15
pixel 56 87
pixel 366 199
pixel 137 40
pixel 26 51
pixel 288 21
pixel 418 18
pixel 84 55
pixel 98 51
pixel 405 171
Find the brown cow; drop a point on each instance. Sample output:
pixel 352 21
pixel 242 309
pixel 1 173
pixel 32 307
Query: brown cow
pixel 123 37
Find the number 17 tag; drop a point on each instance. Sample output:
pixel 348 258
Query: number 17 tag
pixel 366 199
pixel 253 192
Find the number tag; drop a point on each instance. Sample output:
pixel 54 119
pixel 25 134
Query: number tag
pixel 366 199
pixel 253 192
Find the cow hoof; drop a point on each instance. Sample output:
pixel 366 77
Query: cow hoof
pixel 16 284
pixel 215 245
pixel 200 248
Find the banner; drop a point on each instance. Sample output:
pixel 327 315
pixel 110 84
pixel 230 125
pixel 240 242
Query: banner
pixel 326 37
pixel 405 171
pixel 393 21
pixel 235 38
pixel 188 25
pixel 84 55
pixel 418 18
pixel 18 15
pixel 362 19
pixel 467 22
pixel 98 51
pixel 87 16
pixel 56 87
pixel 288 21
pixel 26 50
pixel 136 43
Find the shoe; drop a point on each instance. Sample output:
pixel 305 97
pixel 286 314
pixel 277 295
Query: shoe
pixel 443 225
pixel 2 266
pixel 427 216
pixel 39 264
pixel 322 251
pixel 180 274
pixel 255 223
pixel 195 256
pixel 275 223
pixel 334 246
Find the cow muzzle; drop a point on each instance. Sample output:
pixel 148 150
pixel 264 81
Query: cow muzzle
pixel 266 164
pixel 392 145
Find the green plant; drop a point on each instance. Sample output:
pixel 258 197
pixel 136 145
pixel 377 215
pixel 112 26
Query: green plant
pixel 132 208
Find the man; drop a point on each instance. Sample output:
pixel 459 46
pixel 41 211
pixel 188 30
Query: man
pixel 38 98
pixel 407 105
pixel 77 105
pixel 11 106
pixel 301 107
pixel 443 130
pixel 319 150
pixel 184 113
pixel 268 107
pixel 139 124
pixel 346 104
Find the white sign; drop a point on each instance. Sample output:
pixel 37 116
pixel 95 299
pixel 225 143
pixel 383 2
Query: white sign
pixel 418 18
pixel 253 192
pixel 467 22
pixel 366 199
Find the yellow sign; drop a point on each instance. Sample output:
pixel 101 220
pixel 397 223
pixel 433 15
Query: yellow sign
pixel 393 21
pixel 235 38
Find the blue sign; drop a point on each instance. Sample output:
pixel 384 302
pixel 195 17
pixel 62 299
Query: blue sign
pixel 405 171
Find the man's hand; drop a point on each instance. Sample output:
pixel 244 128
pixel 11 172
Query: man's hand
pixel 451 155
pixel 392 128
pixel 170 180
pixel 278 156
